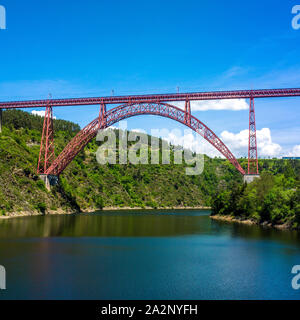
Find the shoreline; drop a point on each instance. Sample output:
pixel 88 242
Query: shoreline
pixel 232 219
pixel 69 212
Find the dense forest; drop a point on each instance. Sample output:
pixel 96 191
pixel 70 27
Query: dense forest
pixel 86 185
pixel 17 119
pixel 274 199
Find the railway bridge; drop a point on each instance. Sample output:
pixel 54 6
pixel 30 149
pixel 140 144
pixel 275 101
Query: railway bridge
pixel 124 107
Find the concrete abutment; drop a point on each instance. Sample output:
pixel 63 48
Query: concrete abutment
pixel 248 178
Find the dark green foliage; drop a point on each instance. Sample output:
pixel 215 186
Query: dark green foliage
pixel 272 198
pixel 17 119
pixel 41 207
pixel 41 185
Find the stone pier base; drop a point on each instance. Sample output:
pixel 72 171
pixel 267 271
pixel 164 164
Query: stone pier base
pixel 45 178
pixel 49 180
pixel 248 178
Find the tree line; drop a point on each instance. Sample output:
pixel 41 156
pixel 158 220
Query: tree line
pixel 273 198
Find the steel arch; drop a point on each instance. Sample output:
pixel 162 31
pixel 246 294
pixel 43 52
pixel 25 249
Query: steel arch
pixel 128 110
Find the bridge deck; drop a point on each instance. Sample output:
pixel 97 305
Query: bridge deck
pixel 214 95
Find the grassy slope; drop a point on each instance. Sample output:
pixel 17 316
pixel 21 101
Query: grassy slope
pixel 87 185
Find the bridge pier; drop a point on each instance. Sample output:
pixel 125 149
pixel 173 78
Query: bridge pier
pixel 45 178
pixel 252 144
pixel 49 180
pixel 248 178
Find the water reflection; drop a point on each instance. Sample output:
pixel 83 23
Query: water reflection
pixel 136 224
pixel 254 232
pixel 109 224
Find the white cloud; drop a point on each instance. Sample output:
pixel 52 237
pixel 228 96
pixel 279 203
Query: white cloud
pixel 238 143
pixel 139 131
pixel 113 128
pixel 228 104
pixel 40 113
pixel 224 104
pixel 190 140
pixel 295 151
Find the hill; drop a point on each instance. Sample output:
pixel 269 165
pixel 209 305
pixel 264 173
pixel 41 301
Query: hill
pixel 85 185
pixel 272 200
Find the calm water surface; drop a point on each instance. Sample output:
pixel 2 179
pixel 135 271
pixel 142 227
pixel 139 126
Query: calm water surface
pixel 176 254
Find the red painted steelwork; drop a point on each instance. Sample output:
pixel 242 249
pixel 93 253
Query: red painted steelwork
pixel 102 115
pixel 252 144
pixel 47 155
pixel 188 112
pixel 237 94
pixel 140 103
pixel 129 110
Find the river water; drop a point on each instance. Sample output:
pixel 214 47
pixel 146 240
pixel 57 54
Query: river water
pixel 174 254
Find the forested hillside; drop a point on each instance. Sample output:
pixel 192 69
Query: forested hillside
pixel 273 200
pixel 86 185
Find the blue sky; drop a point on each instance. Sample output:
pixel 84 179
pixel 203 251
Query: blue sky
pixel 74 49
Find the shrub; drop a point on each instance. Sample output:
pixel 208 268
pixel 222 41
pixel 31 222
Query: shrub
pixel 41 206
pixel 41 185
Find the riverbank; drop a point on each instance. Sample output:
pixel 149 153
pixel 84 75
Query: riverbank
pixel 265 224
pixel 61 211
